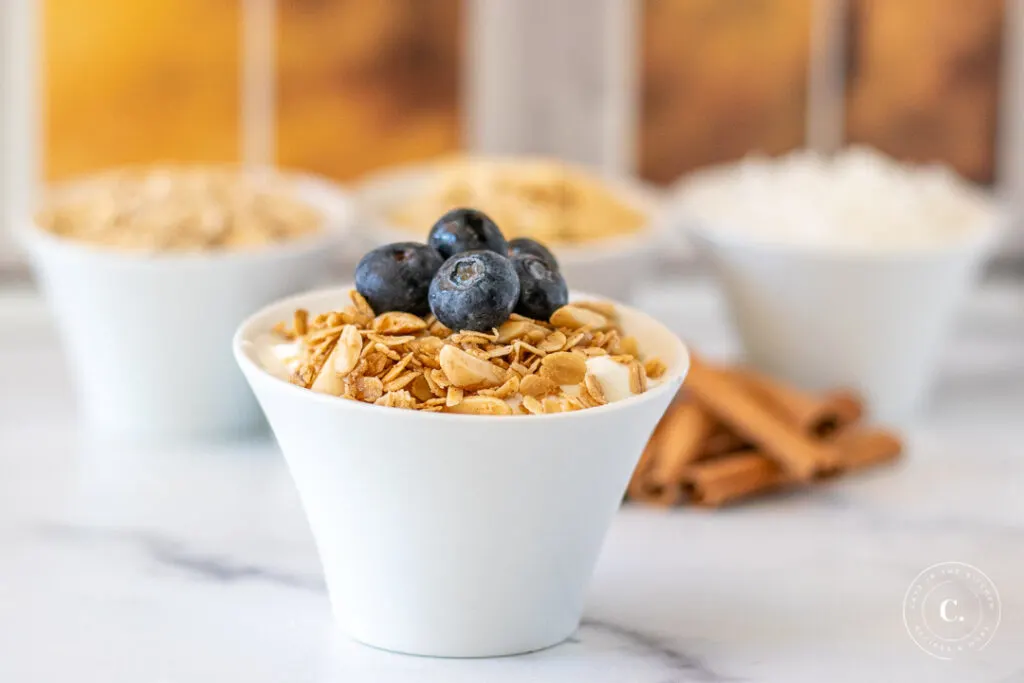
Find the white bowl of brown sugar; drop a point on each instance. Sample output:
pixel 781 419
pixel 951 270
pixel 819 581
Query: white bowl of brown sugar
pixel 148 271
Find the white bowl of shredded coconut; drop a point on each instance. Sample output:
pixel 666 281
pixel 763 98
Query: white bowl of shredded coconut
pixel 841 271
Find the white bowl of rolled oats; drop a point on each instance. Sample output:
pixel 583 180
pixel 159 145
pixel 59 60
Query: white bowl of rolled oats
pixel 148 272
pixel 603 231
pixel 468 523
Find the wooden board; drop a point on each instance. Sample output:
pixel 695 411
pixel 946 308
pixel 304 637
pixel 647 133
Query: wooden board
pixel 130 81
pixel 923 80
pixel 362 85
pixel 720 79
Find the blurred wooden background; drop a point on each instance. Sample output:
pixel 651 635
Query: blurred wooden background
pixel 361 85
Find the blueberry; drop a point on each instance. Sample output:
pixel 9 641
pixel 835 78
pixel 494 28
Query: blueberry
pixel 462 230
pixel 542 289
pixel 396 277
pixel 474 290
pixel 524 245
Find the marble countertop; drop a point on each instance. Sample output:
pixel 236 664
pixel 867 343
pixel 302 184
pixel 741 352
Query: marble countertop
pixel 144 565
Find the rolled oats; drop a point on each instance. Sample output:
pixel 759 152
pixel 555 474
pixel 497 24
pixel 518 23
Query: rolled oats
pixel 183 209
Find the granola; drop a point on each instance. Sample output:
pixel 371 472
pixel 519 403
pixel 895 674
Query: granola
pixel 582 359
pixel 183 209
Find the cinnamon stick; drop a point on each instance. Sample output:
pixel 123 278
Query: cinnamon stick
pixel 732 477
pixel 819 416
pixel 681 435
pixel 720 442
pixel 729 401
pixel 860 448
pixel 637 490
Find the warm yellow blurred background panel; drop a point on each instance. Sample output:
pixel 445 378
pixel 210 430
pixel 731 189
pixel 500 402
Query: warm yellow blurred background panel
pixel 923 80
pixel 720 78
pixel 362 85
pixel 131 81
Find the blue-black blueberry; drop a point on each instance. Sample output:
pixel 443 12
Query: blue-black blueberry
pixel 474 290
pixel 396 277
pixel 542 289
pixel 525 245
pixel 462 230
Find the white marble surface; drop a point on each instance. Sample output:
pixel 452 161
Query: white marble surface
pixel 130 565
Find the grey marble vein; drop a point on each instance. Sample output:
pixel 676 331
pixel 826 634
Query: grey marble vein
pixel 684 667
pixel 174 554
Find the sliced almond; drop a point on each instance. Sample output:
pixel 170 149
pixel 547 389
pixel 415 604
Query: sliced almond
pixel 655 368
pixel 346 353
pixel 594 388
pixel 603 307
pixel 574 317
pixel 637 378
pixel 537 386
pixel 327 381
pixel 481 405
pixel 553 342
pixel 397 322
pixel 469 372
pixel 564 368
pixel 454 397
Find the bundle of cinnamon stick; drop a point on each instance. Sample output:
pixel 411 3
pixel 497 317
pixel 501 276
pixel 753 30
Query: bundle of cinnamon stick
pixel 733 433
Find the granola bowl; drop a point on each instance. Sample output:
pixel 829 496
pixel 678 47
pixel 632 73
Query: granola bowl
pixel 147 332
pixel 457 535
pixel 607 248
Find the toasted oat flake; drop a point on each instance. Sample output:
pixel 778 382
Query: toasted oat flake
pixel 532 405
pixel 553 342
pixel 481 405
pixel 299 323
pixel 594 389
pixel 655 368
pixel 574 317
pixel 637 378
pixel 398 322
pixel 564 368
pixel 537 386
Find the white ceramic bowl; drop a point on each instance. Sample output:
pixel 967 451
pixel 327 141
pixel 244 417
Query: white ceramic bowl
pixel 873 320
pixel 610 267
pixel 147 336
pixel 457 535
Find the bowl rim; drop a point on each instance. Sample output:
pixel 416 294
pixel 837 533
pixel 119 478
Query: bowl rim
pixel 334 201
pixel 642 196
pixel 255 372
pixel 980 240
